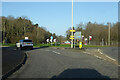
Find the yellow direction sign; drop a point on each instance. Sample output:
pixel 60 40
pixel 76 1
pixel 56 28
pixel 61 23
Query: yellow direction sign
pixel 71 38
pixel 72 30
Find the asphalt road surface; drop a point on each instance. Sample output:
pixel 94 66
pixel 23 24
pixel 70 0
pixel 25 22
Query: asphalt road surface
pixel 0 62
pixel 111 51
pixel 64 63
pixel 10 58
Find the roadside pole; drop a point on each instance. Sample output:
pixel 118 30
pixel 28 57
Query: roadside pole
pixel 74 42
pixel 51 38
pixel 108 34
pixel 90 37
pixel 47 41
pixel 72 26
pixel 102 42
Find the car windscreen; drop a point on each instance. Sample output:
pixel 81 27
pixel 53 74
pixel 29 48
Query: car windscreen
pixel 27 41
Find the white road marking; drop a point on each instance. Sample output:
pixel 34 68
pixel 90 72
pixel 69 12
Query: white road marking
pixel 97 56
pixel 106 55
pixel 56 52
pixel 100 51
pixel 110 58
pixel 86 52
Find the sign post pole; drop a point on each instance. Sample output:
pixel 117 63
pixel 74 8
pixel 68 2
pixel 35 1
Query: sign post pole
pixel 51 39
pixel 72 26
pixel 74 41
pixel 90 37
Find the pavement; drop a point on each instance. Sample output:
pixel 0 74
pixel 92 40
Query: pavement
pixel 53 63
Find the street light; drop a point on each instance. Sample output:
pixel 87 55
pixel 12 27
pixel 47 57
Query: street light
pixel 72 26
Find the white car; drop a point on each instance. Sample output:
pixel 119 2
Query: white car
pixel 23 44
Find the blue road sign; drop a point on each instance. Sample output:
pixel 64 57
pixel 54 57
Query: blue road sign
pixel 79 36
pixel 51 37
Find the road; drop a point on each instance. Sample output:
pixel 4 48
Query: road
pixel 64 63
pixel 10 58
pixel 110 51
pixel 0 62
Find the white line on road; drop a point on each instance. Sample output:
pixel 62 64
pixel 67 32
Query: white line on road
pixel 97 56
pixel 100 51
pixel 106 55
pixel 110 58
pixel 56 52
pixel 86 52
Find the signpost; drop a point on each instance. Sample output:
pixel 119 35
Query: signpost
pixel 77 35
pixel 47 41
pixel 82 37
pixel 51 38
pixel 26 37
pixel 85 41
pixel 72 28
pixel 55 41
pixel 90 37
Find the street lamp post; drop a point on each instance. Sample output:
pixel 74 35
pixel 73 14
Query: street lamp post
pixel 72 26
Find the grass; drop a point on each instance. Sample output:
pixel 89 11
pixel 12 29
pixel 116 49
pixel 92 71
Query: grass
pixel 40 45
pixel 9 45
pixel 94 46
pixel 61 45
pixel 53 45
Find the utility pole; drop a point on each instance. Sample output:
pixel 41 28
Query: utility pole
pixel 4 34
pixel 108 34
pixel 102 42
pixel 72 26
pixel 37 33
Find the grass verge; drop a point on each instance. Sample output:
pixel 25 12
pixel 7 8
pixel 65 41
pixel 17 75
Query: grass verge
pixel 53 45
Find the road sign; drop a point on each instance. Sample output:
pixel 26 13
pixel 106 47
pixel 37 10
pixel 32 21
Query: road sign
pixel 90 37
pixel 85 39
pixel 82 36
pixel 47 40
pixel 72 30
pixel 71 38
pixel 26 37
pixel 54 40
pixel 50 40
pixel 51 37
pixel 77 35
